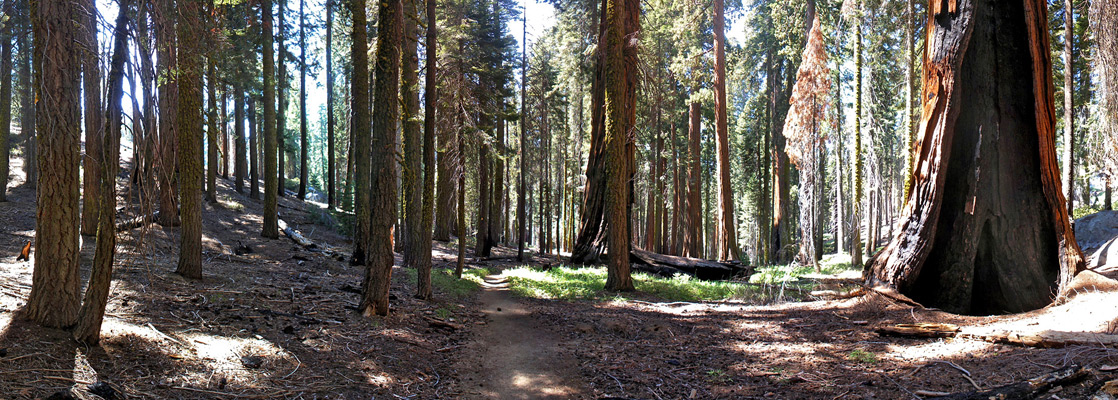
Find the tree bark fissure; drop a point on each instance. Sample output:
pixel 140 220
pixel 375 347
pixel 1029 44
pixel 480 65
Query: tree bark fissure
pixel 986 228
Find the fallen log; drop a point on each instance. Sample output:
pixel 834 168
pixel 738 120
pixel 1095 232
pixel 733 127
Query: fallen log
pixel 923 330
pixel 296 237
pixel 1045 339
pixel 137 222
pixel 668 266
pixel 1028 389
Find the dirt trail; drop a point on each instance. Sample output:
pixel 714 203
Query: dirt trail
pixel 515 358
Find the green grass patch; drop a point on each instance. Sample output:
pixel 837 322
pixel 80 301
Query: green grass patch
pixel 790 273
pixel 588 283
pixel 444 281
pixel 862 356
pixel 770 284
pixel 230 204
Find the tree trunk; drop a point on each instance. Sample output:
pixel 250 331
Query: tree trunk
pixel 211 130
pixel 677 198
pixel 270 226
pixel 1068 168
pixel 693 233
pixel 281 97
pixel 430 102
pixel 91 88
pixel 166 55
pixel 412 174
pixel 619 62
pixel 481 240
pixel 145 168
pixel 856 208
pixel 781 231
pixel 726 229
pixel 88 329
pixel 331 187
pixel 909 85
pixel 1103 17
pixel 521 193
pixel 190 138
pixel 446 223
pixel 54 298
pixel 1107 204
pixel 498 190
pixel 461 213
pixel 253 150
pixel 591 239
pixel 988 176
pixel 383 199
pixel 224 132
pixel 360 131
pixel 239 130
pixel 840 176
pixel 650 198
pixel 5 105
pixel 26 108
pixel 302 103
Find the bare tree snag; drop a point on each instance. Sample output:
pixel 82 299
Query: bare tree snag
pixel 985 229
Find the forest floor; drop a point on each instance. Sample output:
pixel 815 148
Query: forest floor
pixel 271 319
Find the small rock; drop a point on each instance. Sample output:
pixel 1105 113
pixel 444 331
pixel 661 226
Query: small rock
pixel 498 309
pixel 103 389
pixel 252 362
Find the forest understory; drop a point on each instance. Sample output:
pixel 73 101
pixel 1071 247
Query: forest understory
pixel 272 319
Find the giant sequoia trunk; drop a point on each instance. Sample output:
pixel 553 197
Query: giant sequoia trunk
pixel 985 229
pixel 611 158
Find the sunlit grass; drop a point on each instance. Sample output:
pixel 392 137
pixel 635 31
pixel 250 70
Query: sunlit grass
pixel 231 204
pixel 769 284
pixel 443 280
pixel 588 284
pixel 787 273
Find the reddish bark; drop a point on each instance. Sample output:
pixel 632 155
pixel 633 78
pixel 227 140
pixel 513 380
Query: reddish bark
pixel 986 228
